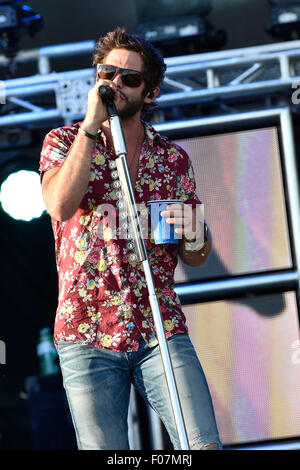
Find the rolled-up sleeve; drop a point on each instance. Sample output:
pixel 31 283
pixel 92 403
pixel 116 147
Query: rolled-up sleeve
pixel 54 150
pixel 186 183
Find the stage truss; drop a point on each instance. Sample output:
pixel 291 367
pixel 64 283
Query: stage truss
pixel 214 83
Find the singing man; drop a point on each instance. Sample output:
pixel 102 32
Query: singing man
pixel 104 329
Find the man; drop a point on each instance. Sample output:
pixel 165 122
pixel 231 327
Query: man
pixel 104 330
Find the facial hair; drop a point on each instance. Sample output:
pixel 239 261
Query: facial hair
pixel 131 107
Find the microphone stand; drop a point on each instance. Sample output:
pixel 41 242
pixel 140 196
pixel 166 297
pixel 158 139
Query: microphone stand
pixel 121 151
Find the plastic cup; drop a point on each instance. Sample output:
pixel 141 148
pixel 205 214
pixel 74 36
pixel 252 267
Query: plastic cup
pixel 163 232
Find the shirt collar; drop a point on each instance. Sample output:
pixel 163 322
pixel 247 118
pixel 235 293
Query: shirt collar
pixel 151 133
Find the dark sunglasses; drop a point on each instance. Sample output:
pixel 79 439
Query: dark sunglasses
pixel 130 78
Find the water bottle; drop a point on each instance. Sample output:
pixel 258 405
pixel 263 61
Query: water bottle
pixel 48 358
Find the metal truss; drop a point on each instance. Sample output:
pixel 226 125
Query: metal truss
pixel 226 76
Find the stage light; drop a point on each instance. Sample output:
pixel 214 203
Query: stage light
pixel 16 19
pixel 8 17
pixel 20 192
pixel 285 19
pixel 178 28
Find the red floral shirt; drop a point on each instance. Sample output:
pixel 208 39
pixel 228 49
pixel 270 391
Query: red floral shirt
pixel 103 295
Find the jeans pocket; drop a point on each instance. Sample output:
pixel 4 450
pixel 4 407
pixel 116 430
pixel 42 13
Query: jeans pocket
pixel 68 352
pixel 63 345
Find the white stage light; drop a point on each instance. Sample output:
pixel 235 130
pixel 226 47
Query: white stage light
pixel 21 195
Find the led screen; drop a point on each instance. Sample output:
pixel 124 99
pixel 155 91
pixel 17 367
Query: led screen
pixel 239 180
pixel 250 352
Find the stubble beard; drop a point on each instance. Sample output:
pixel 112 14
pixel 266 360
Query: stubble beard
pixel 131 108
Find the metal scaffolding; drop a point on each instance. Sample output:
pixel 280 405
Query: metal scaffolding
pixel 193 79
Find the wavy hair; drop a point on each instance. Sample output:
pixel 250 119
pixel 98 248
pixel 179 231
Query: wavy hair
pixel 153 64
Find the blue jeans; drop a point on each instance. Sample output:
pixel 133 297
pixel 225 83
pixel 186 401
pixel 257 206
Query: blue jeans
pixel 98 382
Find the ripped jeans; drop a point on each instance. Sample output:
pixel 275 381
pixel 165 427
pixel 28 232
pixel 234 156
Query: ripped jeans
pixel 98 382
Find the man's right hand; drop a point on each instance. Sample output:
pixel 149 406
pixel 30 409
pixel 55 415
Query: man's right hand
pixel 96 112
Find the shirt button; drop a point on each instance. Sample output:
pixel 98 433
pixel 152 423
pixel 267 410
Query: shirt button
pixel 116 184
pixel 114 174
pixel 121 204
pixel 130 245
pixel 112 164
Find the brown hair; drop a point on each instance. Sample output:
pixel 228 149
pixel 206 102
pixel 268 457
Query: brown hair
pixel 153 65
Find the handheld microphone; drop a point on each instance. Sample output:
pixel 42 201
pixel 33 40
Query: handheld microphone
pixel 106 93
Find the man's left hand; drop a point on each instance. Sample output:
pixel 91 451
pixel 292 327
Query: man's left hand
pixel 184 217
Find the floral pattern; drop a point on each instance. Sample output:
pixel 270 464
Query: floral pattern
pixel 103 296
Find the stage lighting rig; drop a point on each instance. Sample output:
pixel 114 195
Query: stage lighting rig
pixel 285 19
pixel 183 35
pixel 178 28
pixel 16 19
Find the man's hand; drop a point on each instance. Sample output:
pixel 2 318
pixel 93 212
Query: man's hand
pixel 96 111
pixel 190 225
pixel 187 220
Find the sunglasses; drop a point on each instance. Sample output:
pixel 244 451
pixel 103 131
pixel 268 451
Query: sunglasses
pixel 130 78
